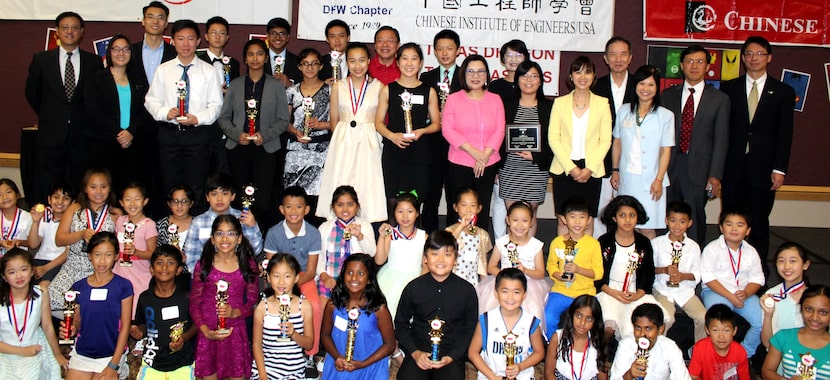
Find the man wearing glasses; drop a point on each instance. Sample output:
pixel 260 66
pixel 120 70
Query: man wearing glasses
pixel 54 89
pixel 760 135
pixel 701 121
pixel 282 64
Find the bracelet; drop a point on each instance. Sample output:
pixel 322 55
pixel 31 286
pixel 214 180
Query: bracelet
pixel 113 366
pixel 615 169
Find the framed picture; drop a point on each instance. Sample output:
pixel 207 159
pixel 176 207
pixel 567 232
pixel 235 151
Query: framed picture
pixel 523 137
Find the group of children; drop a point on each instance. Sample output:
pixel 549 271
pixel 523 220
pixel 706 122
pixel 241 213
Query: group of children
pixel 323 290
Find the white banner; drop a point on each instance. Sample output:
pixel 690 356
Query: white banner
pixel 254 12
pixel 572 25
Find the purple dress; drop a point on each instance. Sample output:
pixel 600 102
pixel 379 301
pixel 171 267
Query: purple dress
pixel 232 356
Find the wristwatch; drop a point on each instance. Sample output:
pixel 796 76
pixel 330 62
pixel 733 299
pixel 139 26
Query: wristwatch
pixel 113 366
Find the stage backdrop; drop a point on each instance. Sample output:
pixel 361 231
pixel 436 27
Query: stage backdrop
pixel 782 22
pixel 235 11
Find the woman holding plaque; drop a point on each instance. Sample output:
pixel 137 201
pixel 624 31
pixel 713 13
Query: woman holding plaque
pixel 580 136
pixel 640 154
pixel 308 134
pixel 354 153
pixel 524 173
pixel 404 109
pixel 88 215
pixel 115 105
pixel 254 115
pixel 473 124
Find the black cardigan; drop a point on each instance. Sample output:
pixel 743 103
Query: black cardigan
pixel 645 272
pixel 103 109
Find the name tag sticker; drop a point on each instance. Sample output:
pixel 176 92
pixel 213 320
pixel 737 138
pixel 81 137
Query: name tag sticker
pixel 170 312
pixel 271 322
pixel 341 323
pixel 417 99
pixel 98 295
pixel 204 233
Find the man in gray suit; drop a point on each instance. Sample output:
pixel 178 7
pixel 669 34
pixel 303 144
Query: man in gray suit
pixel 701 122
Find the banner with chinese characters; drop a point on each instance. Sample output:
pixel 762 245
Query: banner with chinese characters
pixel 572 25
pixel 255 12
pixel 782 22
pixel 724 65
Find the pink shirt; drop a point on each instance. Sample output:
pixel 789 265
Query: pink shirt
pixel 477 122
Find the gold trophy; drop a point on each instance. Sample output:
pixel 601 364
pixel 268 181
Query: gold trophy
pixel 248 197
pixel 335 65
pixel 173 231
pixel 278 62
pixel 308 108
pixel 570 253
pixel 435 334
pixel 676 254
pixel 351 333
pixel 510 349
pixel 222 299
pixel 443 92
pixel 406 104
pixel 181 89
pixel 284 312
pixel 643 346
pixel 806 368
pixel 69 307
pixel 226 71
pixel 512 254
pixel 129 235
pixel 176 332
pixel 251 111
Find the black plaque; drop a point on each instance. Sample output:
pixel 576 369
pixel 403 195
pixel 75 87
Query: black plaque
pixel 523 137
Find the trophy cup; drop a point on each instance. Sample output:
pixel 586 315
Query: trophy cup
pixel 226 70
pixel 570 252
pixel 406 104
pixel 512 254
pixel 176 332
pixel 510 349
pixel 69 307
pixel 251 111
pixel 351 333
pixel 630 268
pixel 472 229
pixel 129 235
pixel 308 108
pixel 173 231
pixel 181 89
pixel 443 92
pixel 278 61
pixel 676 254
pixel 284 311
pixel 222 299
pixel 248 199
pixel 642 352
pixel 335 65
pixel 806 367
pixel 435 335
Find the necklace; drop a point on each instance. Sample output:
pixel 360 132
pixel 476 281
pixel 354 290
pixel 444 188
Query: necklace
pixel 580 106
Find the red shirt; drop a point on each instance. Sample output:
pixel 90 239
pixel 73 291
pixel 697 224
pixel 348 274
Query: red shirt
pixel 385 74
pixel 707 364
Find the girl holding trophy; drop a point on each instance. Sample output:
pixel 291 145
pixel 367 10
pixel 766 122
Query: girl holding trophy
pixel 224 293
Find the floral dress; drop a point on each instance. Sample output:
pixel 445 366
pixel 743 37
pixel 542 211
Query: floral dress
pixel 304 161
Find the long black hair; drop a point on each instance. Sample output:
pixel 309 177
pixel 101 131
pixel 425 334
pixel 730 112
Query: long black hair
pixel 374 296
pixel 5 288
pixel 276 260
pixel 244 252
pixel 597 333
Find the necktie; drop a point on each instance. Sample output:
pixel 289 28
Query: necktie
pixel 69 77
pixel 752 101
pixel 186 80
pixel 446 76
pixel 687 119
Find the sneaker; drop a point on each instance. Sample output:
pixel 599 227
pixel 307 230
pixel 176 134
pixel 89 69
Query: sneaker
pixel 138 349
pixel 311 371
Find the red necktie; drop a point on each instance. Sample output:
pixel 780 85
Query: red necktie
pixel 446 76
pixel 687 119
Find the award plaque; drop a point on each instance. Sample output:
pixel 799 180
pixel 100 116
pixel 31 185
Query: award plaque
pixel 284 312
pixel 435 334
pixel 69 307
pixel 523 137
pixel 222 299
pixel 351 333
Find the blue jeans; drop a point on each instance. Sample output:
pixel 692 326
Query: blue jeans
pixel 751 312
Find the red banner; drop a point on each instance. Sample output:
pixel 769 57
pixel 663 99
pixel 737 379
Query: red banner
pixel 782 22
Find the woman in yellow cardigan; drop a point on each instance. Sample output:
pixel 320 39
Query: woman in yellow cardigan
pixel 580 136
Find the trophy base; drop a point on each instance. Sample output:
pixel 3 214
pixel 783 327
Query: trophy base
pixel 305 138
pixel 672 285
pixel 125 263
pixel 181 118
pixel 568 276
pixel 254 137
pixel 66 342
pixel 223 331
pixel 409 135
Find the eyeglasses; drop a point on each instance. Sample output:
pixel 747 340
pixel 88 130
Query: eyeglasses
pixel 514 55
pixel 217 34
pixel 695 61
pixel 121 50
pixel 73 28
pixel 759 54
pixel 229 234
pixel 306 65
pixel 475 73
pixel 180 202
pixel 530 76
pixel 278 34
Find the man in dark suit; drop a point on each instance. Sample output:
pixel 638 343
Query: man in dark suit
pixel 217 34
pixel 618 87
pixel 760 135
pixel 445 44
pixel 147 55
pixel 338 35
pixel 701 120
pixel 279 33
pixel 54 89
